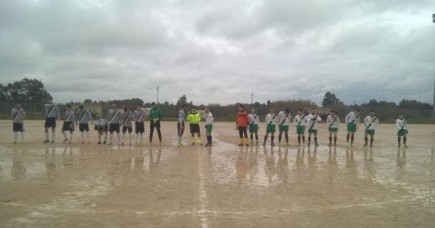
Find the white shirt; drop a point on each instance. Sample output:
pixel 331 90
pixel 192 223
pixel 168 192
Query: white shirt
pixel 352 117
pixel 271 118
pixel 401 124
pixel 283 118
pixel 333 122
pixel 253 118
pixel 371 122
pixel 300 120
pixel 209 119
pixel 312 121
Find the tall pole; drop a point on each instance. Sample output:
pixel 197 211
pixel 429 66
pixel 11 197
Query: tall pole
pixel 252 98
pixel 158 89
pixel 433 102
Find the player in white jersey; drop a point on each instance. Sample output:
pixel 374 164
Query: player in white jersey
pixel 181 124
pixel 68 124
pixel 102 127
pixel 139 125
pixel 283 124
pixel 402 130
pixel 84 116
pixel 313 119
pixel 370 123
pixel 333 122
pixel 271 121
pixel 254 121
pixel 208 126
pixel 126 118
pixel 114 118
pixel 51 114
pixel 17 115
pixel 352 120
pixel 300 121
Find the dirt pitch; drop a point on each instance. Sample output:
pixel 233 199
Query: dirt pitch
pixel 76 185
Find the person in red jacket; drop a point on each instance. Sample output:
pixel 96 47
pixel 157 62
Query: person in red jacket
pixel 242 125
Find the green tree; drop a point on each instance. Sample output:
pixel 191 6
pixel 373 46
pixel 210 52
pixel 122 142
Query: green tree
pixel 27 90
pixel 330 99
pixel 414 104
pixel 182 100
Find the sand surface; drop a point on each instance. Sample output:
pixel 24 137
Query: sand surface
pixel 62 185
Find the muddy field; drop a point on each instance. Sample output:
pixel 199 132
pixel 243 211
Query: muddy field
pixel 62 185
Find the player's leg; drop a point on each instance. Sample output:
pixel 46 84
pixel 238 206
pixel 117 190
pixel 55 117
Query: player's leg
pixel 152 126
pixel 265 137
pixel 335 138
pixel 245 135
pixel 286 136
pixel 272 138
pixel 280 134
pixel 365 137
pixel 309 137
pixel 330 138
pixel 71 131
pixel 241 136
pixel 159 133
pixel 315 138
pixel 399 140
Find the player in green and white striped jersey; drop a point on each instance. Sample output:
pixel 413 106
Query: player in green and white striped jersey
pixel 352 120
pixel 333 122
pixel 300 121
pixel 17 115
pixel 370 123
pixel 283 124
pixel 254 121
pixel 271 121
pixel 313 119
pixel 402 129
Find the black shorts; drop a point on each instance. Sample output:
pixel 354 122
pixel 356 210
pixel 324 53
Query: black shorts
pixel 101 128
pixel 68 126
pixel 83 127
pixel 50 122
pixel 125 129
pixel 114 127
pixel 17 127
pixel 194 128
pixel 179 129
pixel 139 127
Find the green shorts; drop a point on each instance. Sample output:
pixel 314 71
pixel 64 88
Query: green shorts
pixel 333 129
pixel 270 128
pixel 312 131
pixel 402 132
pixel 300 130
pixel 253 128
pixel 351 127
pixel 370 132
pixel 208 128
pixel 283 128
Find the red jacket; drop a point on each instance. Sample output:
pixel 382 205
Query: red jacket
pixel 242 119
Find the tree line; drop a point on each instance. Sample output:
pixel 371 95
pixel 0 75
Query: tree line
pixel 32 94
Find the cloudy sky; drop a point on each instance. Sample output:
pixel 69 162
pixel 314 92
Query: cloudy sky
pixel 220 51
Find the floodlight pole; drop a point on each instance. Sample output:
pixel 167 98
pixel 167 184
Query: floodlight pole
pixel 158 89
pixel 252 98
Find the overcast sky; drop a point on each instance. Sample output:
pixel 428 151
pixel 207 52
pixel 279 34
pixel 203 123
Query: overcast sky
pixel 220 51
